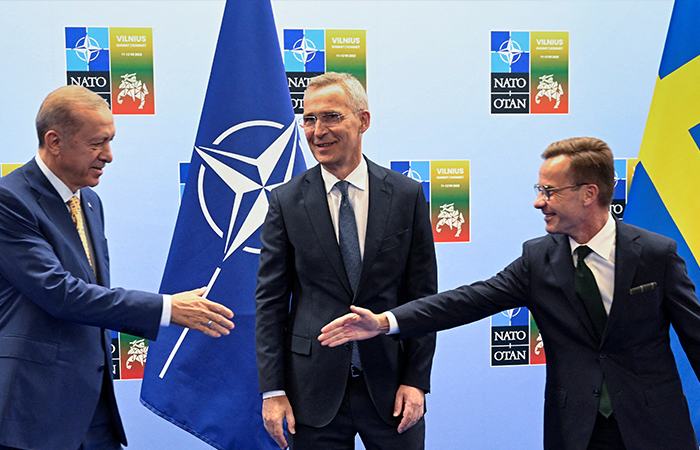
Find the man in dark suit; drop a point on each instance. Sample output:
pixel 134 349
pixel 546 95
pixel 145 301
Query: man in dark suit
pixel 56 388
pixel 603 294
pixel 320 255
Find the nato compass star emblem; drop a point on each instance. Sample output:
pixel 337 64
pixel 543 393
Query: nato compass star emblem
pixel 510 51
pixel 304 50
pixel 240 185
pixel 87 49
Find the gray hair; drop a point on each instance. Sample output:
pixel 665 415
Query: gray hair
pixel 357 96
pixel 57 111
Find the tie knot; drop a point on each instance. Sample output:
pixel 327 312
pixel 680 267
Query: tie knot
pixel 342 186
pixel 583 251
pixel 74 203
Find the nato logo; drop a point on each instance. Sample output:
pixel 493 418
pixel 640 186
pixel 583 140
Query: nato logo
pixel 510 51
pixel 417 170
pixel 87 49
pixel 510 337
pixel 510 72
pixel 304 50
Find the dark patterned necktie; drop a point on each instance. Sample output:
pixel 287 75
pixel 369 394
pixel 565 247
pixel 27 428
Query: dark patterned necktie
pixel 587 289
pixel 349 249
pixel 347 237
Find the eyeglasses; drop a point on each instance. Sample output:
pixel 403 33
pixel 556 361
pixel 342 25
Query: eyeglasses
pixel 548 190
pixel 327 119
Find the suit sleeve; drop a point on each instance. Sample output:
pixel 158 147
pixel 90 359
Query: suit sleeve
pixel 38 264
pixel 272 295
pixel 681 304
pixel 420 281
pixel 509 289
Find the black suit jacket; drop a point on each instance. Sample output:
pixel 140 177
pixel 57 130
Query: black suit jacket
pixel 634 356
pixel 302 285
pixel 54 350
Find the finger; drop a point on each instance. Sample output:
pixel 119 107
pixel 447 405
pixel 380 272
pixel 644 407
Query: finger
pixel 291 422
pixel 222 322
pixel 406 423
pixel 364 312
pixel 334 338
pixel 219 309
pixel 277 433
pixel 339 322
pixel 398 404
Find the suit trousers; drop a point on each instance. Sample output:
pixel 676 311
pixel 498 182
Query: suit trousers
pixel 101 434
pixel 606 434
pixel 358 415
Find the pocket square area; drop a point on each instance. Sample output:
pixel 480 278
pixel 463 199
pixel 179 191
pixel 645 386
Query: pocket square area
pixel 643 288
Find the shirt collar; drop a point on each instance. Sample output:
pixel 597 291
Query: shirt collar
pixel 63 190
pixel 603 242
pixel 357 177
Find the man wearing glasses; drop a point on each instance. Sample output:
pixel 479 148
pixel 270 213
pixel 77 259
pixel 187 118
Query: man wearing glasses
pixel 603 294
pixel 346 231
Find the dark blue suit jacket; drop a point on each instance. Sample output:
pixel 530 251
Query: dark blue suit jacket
pixel 634 356
pixel 302 285
pixel 54 348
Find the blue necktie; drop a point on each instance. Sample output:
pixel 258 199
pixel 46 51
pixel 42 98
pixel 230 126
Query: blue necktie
pixel 349 249
pixel 587 289
pixel 347 237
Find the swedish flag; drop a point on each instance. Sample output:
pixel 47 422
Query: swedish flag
pixel 666 183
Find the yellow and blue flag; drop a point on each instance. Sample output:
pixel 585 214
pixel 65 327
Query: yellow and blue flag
pixel 666 183
pixel 247 143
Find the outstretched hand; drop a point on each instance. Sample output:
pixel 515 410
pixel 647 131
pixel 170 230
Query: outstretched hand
pixel 191 310
pixel 358 325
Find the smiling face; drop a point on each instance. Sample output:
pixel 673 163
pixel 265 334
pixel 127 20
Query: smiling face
pixel 337 148
pixel 566 210
pixel 78 159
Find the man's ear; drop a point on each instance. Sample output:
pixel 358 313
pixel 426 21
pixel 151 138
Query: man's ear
pixel 53 141
pixel 364 120
pixel 590 194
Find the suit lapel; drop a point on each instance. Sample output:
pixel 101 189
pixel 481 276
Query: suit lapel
pixel 627 254
pixel 57 211
pixel 562 266
pixel 380 195
pixel 313 193
pixel 93 219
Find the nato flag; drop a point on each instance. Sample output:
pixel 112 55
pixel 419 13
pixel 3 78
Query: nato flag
pixel 247 143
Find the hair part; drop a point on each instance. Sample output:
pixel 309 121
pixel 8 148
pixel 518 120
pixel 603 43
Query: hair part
pixel 356 93
pixel 59 109
pixel 591 162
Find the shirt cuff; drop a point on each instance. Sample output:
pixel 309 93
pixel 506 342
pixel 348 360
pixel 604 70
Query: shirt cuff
pixel 270 394
pixel 393 324
pixel 167 311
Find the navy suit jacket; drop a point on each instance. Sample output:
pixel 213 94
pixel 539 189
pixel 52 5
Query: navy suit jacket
pixel 634 355
pixel 302 285
pixel 54 349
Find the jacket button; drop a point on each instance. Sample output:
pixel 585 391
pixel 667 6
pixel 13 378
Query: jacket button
pixel 596 393
pixel 347 346
pixel 101 368
pixel 602 356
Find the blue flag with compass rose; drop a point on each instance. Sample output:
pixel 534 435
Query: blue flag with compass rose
pixel 247 144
